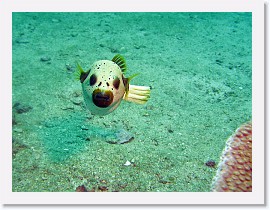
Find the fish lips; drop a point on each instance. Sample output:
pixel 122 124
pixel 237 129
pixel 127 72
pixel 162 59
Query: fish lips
pixel 102 98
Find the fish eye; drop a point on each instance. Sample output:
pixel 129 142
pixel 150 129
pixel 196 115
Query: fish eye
pixel 93 79
pixel 116 83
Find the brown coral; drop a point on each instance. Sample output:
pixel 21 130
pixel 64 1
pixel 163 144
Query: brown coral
pixel 234 172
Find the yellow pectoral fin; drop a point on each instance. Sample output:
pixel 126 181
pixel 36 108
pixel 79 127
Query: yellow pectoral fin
pixel 132 76
pixel 80 74
pixel 137 94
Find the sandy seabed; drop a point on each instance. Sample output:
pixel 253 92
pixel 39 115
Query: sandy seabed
pixel 197 64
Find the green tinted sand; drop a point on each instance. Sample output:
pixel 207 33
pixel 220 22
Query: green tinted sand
pixel 199 68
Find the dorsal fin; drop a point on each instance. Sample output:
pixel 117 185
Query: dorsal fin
pixel 120 61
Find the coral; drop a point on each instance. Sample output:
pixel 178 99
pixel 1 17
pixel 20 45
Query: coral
pixel 234 173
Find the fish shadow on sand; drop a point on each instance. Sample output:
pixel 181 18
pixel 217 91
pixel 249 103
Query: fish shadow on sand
pixel 64 137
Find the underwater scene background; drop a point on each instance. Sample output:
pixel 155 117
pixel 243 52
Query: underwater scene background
pixel 200 71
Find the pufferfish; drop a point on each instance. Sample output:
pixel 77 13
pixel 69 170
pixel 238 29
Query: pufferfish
pixel 104 86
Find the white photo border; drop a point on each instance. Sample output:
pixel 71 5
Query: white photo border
pixel 257 196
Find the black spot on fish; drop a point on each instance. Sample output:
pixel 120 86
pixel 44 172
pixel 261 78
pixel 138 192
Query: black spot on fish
pixel 116 83
pixel 93 79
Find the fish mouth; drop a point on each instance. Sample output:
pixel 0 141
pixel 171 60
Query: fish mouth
pixel 101 98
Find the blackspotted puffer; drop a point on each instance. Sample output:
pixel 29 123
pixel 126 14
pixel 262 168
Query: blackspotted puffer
pixel 104 86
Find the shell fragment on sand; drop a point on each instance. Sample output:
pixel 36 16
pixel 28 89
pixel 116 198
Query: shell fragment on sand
pixel 234 173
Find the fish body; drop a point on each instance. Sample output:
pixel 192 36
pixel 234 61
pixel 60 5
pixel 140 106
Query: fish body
pixel 104 86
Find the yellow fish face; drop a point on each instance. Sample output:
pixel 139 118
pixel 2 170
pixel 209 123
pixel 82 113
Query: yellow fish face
pixel 104 87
